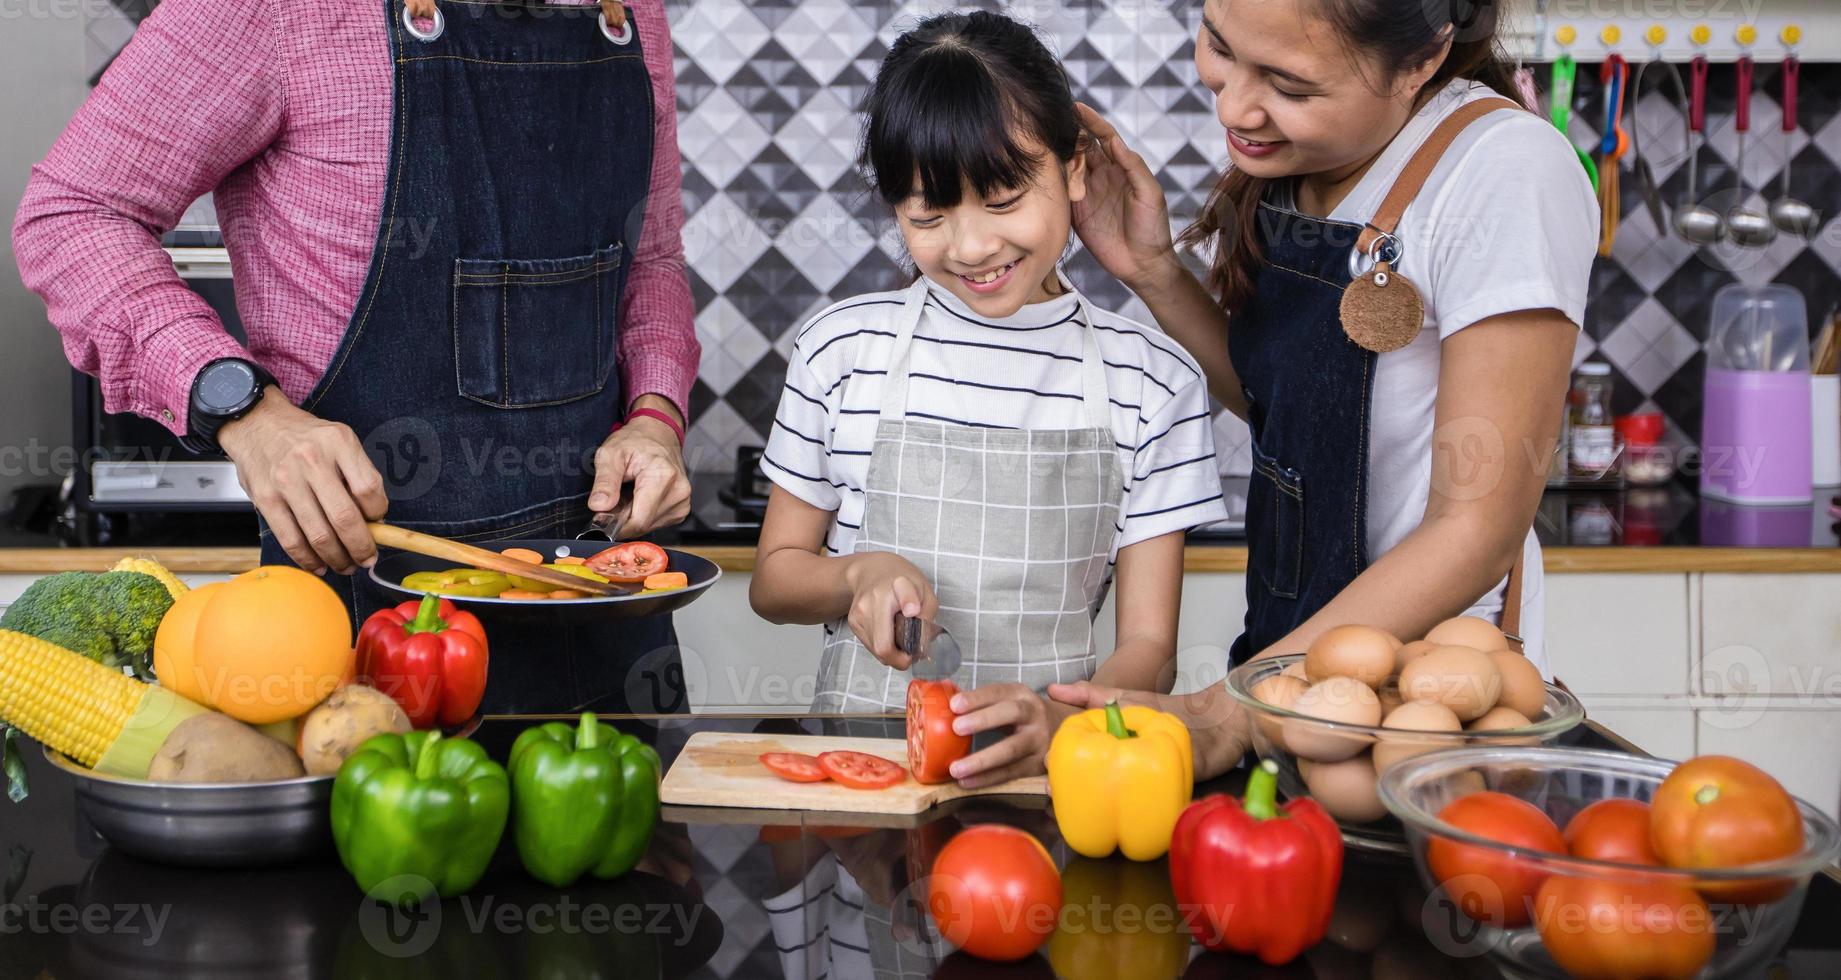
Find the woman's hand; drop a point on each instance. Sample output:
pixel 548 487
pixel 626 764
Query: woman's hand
pixel 311 480
pixel 1124 220
pixel 1217 728
pixel 884 585
pixel 1031 718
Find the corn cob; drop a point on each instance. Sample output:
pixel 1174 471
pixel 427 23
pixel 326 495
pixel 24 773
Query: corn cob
pixel 96 715
pixel 147 566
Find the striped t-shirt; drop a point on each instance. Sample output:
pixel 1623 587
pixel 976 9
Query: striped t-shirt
pixel 1022 372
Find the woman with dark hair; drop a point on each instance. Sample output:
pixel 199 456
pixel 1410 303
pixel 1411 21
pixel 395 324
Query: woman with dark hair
pixel 981 448
pixel 1399 270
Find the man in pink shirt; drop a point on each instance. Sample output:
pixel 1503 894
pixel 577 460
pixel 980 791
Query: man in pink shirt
pixel 454 230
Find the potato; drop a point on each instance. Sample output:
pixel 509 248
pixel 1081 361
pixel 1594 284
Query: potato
pixel 214 748
pixel 342 722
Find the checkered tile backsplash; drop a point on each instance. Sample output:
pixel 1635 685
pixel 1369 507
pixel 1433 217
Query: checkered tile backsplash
pixel 780 225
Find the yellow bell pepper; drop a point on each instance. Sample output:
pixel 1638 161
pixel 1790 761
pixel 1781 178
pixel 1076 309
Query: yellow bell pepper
pixel 1119 778
pixel 1118 919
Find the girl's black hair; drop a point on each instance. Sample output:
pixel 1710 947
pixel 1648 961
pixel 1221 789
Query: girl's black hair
pixel 950 102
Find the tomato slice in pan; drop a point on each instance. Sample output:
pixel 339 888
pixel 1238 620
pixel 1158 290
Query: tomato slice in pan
pixel 629 561
pixel 932 744
pixel 794 767
pixel 860 770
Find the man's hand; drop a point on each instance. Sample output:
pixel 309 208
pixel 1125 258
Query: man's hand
pixel 645 453
pixel 311 480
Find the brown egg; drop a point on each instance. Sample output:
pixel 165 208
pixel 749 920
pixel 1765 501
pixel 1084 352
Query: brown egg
pixel 1345 788
pixel 1296 669
pixel 1389 693
pixel 1467 631
pixel 1522 687
pixel 1280 691
pixel 1343 700
pixel 1460 678
pixel 1500 718
pixel 1361 652
pixel 1410 652
pixel 1417 716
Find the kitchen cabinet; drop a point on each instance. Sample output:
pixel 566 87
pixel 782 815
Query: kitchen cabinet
pixel 1619 634
pixel 1778 636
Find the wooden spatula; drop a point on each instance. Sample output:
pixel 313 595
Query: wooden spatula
pixel 390 536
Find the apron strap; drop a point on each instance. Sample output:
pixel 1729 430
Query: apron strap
pixel 1419 170
pixel 1093 390
pixel 612 11
pixel 1511 605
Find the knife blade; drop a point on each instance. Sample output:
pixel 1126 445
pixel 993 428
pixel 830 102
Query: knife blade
pixel 933 653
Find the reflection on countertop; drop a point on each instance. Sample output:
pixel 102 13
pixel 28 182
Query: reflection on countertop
pixel 1674 515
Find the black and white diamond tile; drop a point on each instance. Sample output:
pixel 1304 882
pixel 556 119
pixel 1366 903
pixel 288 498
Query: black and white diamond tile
pixel 781 224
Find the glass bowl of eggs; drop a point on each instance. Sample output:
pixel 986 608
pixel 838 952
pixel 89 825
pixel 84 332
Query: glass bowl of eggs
pixel 1360 701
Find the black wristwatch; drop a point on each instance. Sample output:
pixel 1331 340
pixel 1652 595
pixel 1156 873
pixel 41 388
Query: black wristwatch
pixel 224 391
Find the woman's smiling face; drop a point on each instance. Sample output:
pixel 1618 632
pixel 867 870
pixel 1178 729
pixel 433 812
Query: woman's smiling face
pixel 997 252
pixel 1295 97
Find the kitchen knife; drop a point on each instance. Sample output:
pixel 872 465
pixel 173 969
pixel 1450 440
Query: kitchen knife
pixel 933 653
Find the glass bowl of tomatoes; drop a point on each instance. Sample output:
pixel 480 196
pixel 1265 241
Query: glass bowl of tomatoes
pixel 1334 744
pixel 1577 862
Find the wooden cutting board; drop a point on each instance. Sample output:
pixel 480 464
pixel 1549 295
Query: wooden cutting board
pixel 724 769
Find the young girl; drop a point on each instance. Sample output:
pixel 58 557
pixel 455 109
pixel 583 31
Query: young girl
pixel 984 447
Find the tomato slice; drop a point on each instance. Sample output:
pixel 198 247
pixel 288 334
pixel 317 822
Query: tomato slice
pixel 860 770
pixel 629 561
pixel 932 744
pixel 794 767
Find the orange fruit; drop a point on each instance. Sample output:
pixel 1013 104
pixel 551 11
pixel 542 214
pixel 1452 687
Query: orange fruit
pixel 172 644
pixel 271 644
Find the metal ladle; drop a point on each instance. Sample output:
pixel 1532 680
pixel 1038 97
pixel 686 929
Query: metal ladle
pixel 1791 216
pixel 1748 226
pixel 1696 223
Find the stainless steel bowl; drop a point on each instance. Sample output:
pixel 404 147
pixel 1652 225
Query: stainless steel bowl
pixel 210 825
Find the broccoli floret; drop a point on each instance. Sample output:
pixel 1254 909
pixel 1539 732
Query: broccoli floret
pixel 64 609
pixel 110 618
pixel 136 603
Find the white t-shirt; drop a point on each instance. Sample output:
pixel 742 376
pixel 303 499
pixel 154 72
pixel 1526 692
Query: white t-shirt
pixel 1022 372
pixel 1507 222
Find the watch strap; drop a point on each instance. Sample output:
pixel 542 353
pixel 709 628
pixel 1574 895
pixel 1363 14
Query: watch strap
pixel 202 428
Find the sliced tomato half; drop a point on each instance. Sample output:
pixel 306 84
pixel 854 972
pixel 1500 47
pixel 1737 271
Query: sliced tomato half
pixel 932 744
pixel 794 767
pixel 860 770
pixel 629 561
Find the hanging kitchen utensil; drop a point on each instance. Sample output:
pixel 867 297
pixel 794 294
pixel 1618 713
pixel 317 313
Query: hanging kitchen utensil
pixel 1696 223
pixel 1611 148
pixel 1645 173
pixel 1791 216
pixel 1565 77
pixel 1748 226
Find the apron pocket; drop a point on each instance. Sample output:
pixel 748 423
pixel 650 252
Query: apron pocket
pixel 1275 526
pixel 534 332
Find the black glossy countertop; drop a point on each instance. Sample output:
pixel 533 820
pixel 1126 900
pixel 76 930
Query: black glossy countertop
pixel 74 908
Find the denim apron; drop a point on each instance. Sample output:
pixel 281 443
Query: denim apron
pixel 1012 527
pixel 1309 394
pixel 479 366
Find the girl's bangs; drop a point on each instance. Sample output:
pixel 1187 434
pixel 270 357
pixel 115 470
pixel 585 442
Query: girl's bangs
pixel 957 130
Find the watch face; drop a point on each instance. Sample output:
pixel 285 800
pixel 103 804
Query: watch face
pixel 225 386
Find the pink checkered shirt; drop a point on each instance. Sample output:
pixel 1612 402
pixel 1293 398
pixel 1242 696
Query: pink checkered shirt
pixel 284 111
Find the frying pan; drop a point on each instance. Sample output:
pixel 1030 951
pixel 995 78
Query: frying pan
pixel 391 569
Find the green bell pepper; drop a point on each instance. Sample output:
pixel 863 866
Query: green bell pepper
pixel 585 799
pixel 414 814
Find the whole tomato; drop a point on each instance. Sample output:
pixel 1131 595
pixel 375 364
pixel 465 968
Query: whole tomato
pixel 1719 812
pixel 1487 885
pixel 933 746
pixel 1612 830
pixel 1619 927
pixel 995 893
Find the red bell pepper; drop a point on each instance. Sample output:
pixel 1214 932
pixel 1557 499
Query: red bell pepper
pixel 428 656
pixel 1258 880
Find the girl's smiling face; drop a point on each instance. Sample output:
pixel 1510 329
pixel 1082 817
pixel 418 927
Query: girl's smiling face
pixel 1295 97
pixel 997 252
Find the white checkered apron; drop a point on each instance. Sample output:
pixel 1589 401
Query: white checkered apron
pixel 1013 528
